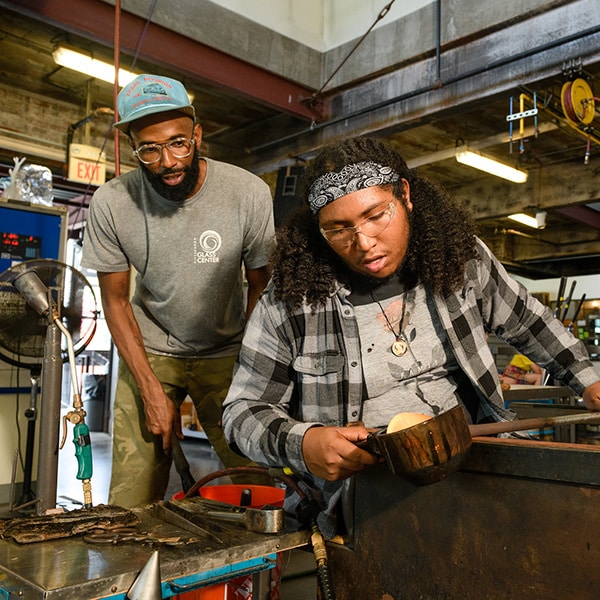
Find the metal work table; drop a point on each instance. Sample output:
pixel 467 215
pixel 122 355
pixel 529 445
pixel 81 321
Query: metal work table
pixel 557 393
pixel 544 400
pixel 520 520
pixel 75 569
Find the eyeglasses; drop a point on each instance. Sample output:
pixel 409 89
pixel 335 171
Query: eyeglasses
pixel 151 153
pixel 374 226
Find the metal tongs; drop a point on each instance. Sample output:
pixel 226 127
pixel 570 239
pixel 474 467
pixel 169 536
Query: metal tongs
pixel 268 519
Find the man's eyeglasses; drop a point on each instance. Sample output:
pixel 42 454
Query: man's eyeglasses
pixel 372 227
pixel 151 153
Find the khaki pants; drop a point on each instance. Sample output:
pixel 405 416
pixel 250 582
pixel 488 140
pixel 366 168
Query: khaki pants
pixel 140 468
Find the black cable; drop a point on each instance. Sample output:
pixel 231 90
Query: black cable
pixel 306 513
pixel 86 192
pixel 143 34
pixel 133 63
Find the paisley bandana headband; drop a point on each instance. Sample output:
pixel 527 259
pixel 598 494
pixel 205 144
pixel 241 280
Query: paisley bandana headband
pixel 357 176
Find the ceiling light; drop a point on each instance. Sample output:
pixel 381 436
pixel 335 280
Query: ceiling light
pixel 480 161
pixel 537 222
pixel 84 63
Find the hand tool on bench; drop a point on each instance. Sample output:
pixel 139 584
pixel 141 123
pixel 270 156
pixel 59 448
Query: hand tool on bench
pixel 258 520
pixel 163 511
pixel 268 519
pixel 181 464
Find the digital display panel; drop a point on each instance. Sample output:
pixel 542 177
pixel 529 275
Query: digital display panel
pixel 17 245
pixel 30 232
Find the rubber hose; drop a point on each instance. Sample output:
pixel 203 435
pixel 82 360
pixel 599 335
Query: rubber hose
pixel 224 473
pixel 274 473
pixel 324 579
pixel 318 542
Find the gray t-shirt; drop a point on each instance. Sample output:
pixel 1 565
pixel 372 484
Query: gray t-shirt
pixel 189 297
pixel 425 377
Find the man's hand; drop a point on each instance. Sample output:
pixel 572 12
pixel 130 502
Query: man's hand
pixel 162 417
pixel 161 414
pixel 330 452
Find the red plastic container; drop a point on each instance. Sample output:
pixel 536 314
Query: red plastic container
pixel 262 495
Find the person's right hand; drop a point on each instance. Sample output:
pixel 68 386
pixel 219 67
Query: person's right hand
pixel 330 452
pixel 162 417
pixel 591 397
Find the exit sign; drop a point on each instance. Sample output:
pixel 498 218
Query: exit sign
pixel 86 164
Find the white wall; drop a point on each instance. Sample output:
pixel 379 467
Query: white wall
pixel 585 284
pixel 346 20
pixel 320 24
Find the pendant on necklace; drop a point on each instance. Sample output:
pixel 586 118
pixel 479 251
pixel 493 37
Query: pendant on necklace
pixel 399 347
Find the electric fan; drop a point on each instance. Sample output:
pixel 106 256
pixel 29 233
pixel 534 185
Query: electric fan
pixel 23 331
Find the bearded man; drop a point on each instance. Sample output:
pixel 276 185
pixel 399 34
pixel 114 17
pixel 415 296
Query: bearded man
pixel 187 225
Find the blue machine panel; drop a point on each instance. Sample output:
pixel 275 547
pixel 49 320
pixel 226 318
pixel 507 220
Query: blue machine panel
pixel 29 231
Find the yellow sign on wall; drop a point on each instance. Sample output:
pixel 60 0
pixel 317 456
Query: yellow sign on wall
pixel 86 164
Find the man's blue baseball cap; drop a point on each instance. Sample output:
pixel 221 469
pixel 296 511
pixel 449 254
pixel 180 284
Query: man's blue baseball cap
pixel 148 95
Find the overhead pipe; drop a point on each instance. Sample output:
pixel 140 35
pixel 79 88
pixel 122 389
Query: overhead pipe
pixel 425 89
pixel 525 235
pixel 165 47
pixel 117 47
pixel 438 44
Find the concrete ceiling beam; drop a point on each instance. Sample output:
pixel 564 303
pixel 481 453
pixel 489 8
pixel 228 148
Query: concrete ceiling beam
pixel 95 19
pixel 411 95
pixel 564 188
pixel 582 214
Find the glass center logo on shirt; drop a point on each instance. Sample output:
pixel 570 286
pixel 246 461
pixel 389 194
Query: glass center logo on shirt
pixel 206 247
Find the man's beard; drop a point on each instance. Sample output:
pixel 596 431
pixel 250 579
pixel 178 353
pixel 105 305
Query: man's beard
pixel 181 191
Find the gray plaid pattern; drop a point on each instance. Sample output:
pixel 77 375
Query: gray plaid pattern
pixel 303 368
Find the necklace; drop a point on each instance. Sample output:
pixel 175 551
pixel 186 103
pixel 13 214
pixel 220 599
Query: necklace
pixel 400 345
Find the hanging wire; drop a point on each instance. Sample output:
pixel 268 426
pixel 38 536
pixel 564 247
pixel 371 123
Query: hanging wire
pixel 143 34
pixel 117 54
pixel 381 15
pixel 86 193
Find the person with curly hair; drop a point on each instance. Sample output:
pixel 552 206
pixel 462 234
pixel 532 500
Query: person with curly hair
pixel 379 303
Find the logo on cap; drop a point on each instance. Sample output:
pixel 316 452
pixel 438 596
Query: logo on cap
pixel 150 94
pixel 154 88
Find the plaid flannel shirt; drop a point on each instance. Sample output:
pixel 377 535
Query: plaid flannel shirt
pixel 300 368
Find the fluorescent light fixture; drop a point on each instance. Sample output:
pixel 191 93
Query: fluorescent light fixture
pixel 84 63
pixel 537 222
pixel 480 161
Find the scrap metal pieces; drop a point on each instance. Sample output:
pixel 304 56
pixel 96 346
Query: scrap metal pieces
pixel 66 524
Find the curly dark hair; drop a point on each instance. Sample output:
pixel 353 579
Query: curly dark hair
pixel 442 236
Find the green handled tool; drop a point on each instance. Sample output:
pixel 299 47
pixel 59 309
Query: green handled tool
pixel 83 452
pixel 83 449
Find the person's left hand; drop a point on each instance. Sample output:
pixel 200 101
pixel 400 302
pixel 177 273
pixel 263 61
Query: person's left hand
pixel 591 396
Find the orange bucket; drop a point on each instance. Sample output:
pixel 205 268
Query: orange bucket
pixel 261 495
pixel 213 592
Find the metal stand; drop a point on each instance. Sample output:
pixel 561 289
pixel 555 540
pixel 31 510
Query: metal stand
pixel 27 494
pixel 49 420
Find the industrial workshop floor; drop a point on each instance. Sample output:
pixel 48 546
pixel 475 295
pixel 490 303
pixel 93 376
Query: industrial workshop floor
pixel 299 580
